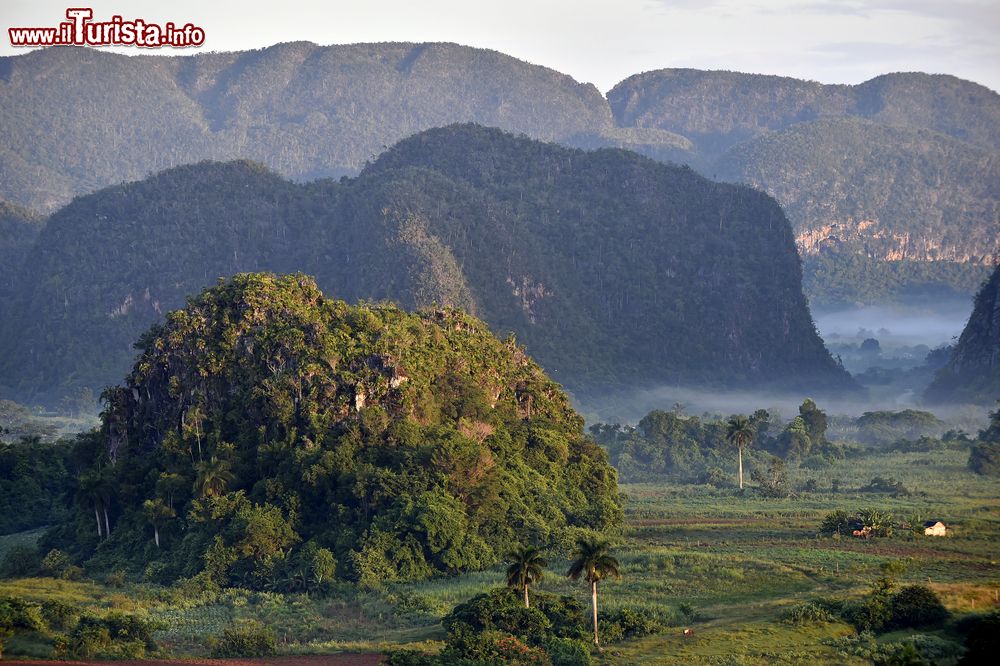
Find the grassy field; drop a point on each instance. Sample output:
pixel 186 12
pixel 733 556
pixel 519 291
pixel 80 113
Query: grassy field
pixel 737 561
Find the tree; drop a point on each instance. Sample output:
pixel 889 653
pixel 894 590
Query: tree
pixel 739 433
pixel 157 513
pixel 815 421
pixel 594 563
pixel 16 615
pixel 95 489
pixel 213 477
pixel 526 567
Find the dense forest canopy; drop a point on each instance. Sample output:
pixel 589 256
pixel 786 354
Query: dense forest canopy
pixel 654 273
pixel 266 429
pixel 307 111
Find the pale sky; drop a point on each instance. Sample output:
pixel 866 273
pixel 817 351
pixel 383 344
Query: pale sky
pixel 604 41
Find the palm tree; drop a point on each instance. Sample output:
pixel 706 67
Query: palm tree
pixel 213 477
pixel 157 513
pixel 739 433
pixel 96 489
pixel 593 563
pixel 526 567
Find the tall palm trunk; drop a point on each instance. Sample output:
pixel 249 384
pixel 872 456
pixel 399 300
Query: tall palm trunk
pixel 594 598
pixel 97 515
pixel 107 525
pixel 741 467
pixel 527 604
pixel 156 535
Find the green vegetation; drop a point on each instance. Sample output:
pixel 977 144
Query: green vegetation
pixel 35 478
pixel 972 373
pixel 303 109
pixel 840 277
pixel 607 249
pixel 696 450
pixel 273 439
pixel 890 185
pixel 733 568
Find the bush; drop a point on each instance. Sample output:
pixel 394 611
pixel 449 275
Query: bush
pixel 246 639
pixel 871 614
pixel 116 636
pixel 917 606
pixel 55 563
pixel 882 485
pixel 632 623
pixel 20 562
pixel 568 652
pixel 980 633
pixel 806 613
pixel 59 615
pixel 836 522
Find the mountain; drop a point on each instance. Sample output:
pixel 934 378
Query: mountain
pixel 898 177
pixel 899 194
pixel 613 269
pixel 264 423
pixel 302 109
pixel 19 227
pixel 972 374
pixel 77 120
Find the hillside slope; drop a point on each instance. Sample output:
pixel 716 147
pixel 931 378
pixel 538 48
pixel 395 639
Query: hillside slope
pixel 898 177
pixel 613 269
pixel 264 423
pixel 973 371
pixel 302 109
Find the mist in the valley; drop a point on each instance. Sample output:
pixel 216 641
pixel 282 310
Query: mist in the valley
pixel 896 326
pixel 905 335
pixel 629 407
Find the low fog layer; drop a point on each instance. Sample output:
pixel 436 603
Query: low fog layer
pixel 896 325
pixel 631 407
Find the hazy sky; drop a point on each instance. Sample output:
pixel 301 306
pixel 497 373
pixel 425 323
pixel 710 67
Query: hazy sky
pixel 603 41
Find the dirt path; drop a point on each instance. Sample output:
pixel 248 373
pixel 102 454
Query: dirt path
pixel 305 660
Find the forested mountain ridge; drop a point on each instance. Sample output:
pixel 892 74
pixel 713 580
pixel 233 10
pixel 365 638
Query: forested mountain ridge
pixel 304 110
pixel 613 269
pixel 972 374
pixel 309 111
pixel 897 176
pixel 718 109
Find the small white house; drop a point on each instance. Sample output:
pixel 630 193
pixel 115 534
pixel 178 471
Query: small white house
pixel 935 528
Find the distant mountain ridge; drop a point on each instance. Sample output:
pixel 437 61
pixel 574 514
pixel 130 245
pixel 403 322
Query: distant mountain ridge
pixel 613 269
pixel 836 157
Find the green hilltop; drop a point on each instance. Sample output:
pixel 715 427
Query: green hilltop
pixel 266 431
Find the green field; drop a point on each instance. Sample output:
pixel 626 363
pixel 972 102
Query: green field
pixel 736 561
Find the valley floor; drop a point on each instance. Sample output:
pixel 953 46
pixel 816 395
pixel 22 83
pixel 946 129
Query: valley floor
pixel 724 565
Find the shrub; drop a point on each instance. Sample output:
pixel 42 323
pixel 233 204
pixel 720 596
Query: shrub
pixel 20 561
pixel 917 606
pixel 59 615
pixel 882 485
pixel 632 623
pixel 246 639
pixel 806 613
pixel 55 563
pixel 568 652
pixel 980 633
pixel 836 522
pixel 116 636
pixel 871 614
